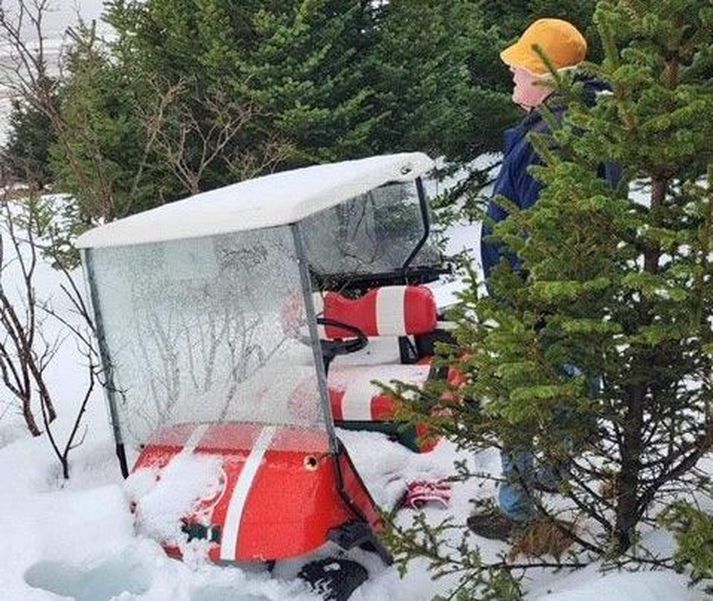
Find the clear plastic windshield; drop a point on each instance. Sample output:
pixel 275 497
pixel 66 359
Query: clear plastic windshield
pixel 204 331
pixel 373 233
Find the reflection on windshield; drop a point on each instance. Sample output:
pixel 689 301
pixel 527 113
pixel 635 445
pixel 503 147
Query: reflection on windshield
pixel 373 233
pixel 194 332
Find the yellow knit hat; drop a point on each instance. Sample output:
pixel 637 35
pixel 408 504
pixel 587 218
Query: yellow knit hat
pixel 561 42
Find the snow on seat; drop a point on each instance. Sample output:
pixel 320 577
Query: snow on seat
pixel 355 397
pixel 385 311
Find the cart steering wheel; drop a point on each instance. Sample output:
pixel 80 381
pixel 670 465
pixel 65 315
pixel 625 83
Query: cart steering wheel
pixel 333 348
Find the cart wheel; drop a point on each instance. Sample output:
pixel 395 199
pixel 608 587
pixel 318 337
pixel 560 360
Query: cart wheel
pixel 334 578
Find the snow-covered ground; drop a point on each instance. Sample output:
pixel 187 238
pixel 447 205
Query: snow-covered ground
pixel 77 540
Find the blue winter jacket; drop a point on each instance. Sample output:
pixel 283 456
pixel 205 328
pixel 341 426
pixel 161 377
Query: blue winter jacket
pixel 515 182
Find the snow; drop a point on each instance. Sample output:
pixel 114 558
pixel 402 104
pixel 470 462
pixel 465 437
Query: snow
pixel 260 202
pixel 161 503
pixel 642 586
pixel 80 541
pixel 387 466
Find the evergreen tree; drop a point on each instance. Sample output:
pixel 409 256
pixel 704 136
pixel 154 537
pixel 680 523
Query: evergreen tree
pixel 26 152
pixel 296 67
pixel 440 80
pixel 311 69
pixel 190 59
pixel 289 83
pixel 190 96
pixel 101 139
pixel 693 528
pixel 613 282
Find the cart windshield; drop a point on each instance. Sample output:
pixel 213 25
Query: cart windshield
pixel 204 331
pixel 373 233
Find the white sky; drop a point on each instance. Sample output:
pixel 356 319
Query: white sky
pixel 63 13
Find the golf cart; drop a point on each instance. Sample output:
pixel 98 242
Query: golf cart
pixel 218 317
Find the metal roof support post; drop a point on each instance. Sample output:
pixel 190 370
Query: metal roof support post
pixel 314 337
pixel 110 389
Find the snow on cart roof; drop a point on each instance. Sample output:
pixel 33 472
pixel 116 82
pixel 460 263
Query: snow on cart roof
pixel 269 201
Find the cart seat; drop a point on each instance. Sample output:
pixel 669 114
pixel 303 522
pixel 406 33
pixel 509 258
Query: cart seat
pixel 386 311
pixel 357 402
pixel 355 396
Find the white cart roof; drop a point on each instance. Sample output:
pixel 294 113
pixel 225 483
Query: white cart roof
pixel 268 201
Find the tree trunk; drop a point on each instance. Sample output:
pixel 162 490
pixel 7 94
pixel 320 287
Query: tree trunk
pixel 627 504
pixel 30 418
pixel 628 481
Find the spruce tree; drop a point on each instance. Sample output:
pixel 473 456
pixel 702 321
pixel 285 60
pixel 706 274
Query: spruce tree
pixel 440 81
pixel 613 281
pixel 693 528
pixel 298 68
pixel 26 153
pixel 310 68
pixel 98 148
pixel 190 59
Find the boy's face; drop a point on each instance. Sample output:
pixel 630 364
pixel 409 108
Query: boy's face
pixel 530 90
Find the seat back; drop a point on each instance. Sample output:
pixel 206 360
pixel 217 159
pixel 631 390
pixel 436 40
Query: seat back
pixel 386 311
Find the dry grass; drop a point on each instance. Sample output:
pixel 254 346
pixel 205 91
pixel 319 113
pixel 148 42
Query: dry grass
pixel 610 488
pixel 543 537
